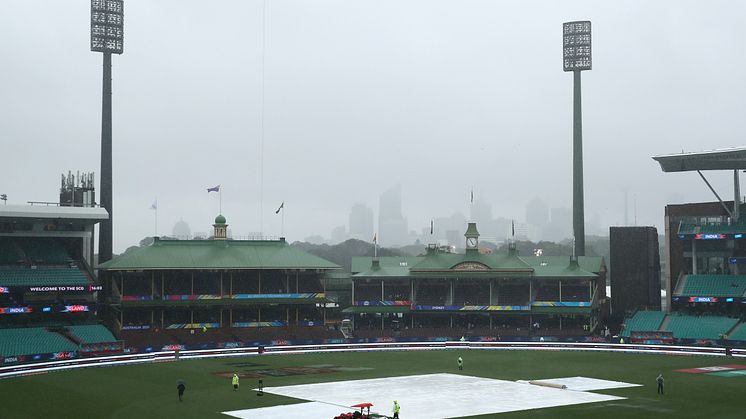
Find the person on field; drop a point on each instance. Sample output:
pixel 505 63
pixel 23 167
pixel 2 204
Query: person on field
pixel 460 363
pixel 181 387
pixel 235 381
pixel 660 383
pixel 396 409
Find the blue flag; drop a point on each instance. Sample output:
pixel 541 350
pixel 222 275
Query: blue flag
pixel 214 189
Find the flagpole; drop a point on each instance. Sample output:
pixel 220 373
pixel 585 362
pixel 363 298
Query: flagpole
pixel 471 205
pixel 220 200
pixel 512 231
pixel 282 227
pixel 154 207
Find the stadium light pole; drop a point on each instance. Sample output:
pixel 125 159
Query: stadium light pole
pixel 576 51
pixel 107 36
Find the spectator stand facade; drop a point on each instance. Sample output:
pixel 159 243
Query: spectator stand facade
pixel 476 293
pixel 705 238
pixel 704 259
pixel 46 281
pixel 215 290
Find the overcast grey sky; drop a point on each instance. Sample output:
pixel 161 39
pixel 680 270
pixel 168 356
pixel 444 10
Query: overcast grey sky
pixel 438 96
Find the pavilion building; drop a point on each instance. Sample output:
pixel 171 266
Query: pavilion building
pixel 478 292
pixel 216 283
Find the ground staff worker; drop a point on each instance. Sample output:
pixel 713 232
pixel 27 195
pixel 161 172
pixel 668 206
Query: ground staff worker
pixel 396 409
pixel 660 383
pixel 180 387
pixel 460 363
pixel 235 381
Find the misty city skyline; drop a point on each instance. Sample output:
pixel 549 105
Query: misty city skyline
pixel 439 97
pixel 540 223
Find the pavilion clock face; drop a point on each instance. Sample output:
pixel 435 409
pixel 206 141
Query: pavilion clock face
pixel 471 242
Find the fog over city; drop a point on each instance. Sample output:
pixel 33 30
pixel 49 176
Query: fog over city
pixel 323 105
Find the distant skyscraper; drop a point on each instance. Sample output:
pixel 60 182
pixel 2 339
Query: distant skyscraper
pixel 525 231
pixel 392 226
pixel 537 213
pixel 502 228
pixel 361 222
pixel 454 237
pixel 481 213
pixel 560 226
pixel 450 229
pixel 339 234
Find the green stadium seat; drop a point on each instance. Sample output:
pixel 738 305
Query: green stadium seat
pixel 714 286
pixel 35 340
pixel 92 334
pixel 44 250
pixel 699 327
pixel 41 276
pixel 643 321
pixel 739 333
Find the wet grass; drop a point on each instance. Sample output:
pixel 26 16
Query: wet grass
pixel 149 391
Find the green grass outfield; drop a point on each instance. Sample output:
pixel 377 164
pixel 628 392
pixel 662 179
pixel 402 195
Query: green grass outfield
pixel 149 390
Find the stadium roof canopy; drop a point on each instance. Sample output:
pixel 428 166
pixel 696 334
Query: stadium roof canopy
pixel 440 265
pixel 53 212
pixel 217 254
pixel 389 266
pixel 721 159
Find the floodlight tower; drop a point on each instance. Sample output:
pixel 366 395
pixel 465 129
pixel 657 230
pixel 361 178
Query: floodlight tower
pixel 576 42
pixel 107 36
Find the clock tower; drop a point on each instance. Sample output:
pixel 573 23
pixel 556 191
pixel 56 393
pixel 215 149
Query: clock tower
pixel 472 237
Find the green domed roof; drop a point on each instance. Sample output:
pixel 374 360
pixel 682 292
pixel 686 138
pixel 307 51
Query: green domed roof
pixel 220 219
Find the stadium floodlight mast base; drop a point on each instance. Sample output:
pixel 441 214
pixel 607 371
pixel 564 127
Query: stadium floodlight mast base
pixel 576 52
pixel 107 36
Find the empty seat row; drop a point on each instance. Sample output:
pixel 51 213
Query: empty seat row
pixel 35 249
pixel 42 276
pixel 643 321
pixel 92 333
pixel 35 340
pixel 714 285
pixel 699 327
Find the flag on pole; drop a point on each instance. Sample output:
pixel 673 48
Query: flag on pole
pixel 512 228
pixel 472 196
pixel 154 205
pixel 375 245
pixel 280 208
pixel 214 189
pixel 431 227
